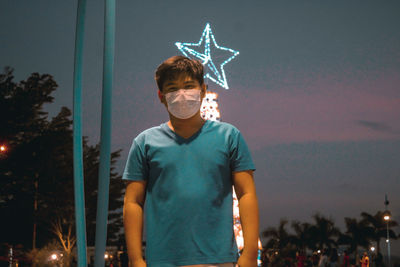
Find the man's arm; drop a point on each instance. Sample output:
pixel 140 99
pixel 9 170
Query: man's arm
pixel 248 208
pixel 133 221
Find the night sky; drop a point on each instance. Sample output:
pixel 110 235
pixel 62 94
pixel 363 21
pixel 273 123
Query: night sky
pixel 314 90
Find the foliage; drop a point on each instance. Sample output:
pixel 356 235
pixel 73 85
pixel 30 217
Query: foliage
pixel 378 225
pixel 322 235
pixel 38 165
pixel 42 257
pixel 358 234
pixel 279 237
pixel 324 232
pixel 303 238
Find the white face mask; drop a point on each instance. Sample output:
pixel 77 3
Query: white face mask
pixel 183 103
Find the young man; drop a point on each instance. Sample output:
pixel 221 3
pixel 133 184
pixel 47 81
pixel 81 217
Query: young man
pixel 185 169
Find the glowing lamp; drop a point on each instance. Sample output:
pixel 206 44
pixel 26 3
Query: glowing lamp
pixel 386 215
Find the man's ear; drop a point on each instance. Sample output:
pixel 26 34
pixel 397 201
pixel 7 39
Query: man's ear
pixel 203 90
pixel 161 97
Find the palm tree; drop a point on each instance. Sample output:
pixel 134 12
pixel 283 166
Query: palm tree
pixel 323 232
pixel 279 237
pixel 358 234
pixel 378 225
pixel 280 242
pixel 303 237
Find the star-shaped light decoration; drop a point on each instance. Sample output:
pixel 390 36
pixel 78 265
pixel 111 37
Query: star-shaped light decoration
pixel 213 73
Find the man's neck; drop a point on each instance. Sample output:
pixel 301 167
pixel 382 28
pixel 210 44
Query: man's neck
pixel 186 127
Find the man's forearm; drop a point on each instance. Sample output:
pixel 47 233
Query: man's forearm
pixel 133 223
pixel 248 209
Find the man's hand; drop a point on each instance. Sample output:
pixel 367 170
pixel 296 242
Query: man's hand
pixel 248 209
pixel 246 261
pixel 137 263
pixel 133 221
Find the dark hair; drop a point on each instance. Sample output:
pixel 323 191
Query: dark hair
pixel 174 66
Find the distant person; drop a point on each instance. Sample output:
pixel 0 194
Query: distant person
pixel 300 259
pixel 365 260
pixel 346 259
pixel 323 259
pixel 333 258
pixel 315 259
pixel 184 170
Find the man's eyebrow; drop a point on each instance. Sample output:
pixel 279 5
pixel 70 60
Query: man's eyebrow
pixel 169 83
pixel 173 83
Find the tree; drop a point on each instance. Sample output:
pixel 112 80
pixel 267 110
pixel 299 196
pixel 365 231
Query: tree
pixel 65 238
pixel 358 234
pixel 303 238
pixel 279 237
pixel 23 122
pixel 280 243
pixel 323 232
pixel 378 225
pixel 38 167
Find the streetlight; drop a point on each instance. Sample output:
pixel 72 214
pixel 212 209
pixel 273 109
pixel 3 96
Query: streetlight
pixel 3 150
pixel 386 217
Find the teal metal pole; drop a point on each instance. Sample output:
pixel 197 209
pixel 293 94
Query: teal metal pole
pixel 77 138
pixel 105 139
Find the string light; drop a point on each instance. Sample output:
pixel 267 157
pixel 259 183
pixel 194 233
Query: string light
pixel 209 107
pixel 217 75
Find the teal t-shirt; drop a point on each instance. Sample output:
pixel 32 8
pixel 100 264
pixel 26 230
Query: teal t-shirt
pixel 188 206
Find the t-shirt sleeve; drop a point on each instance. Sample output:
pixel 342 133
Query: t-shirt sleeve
pixel 136 168
pixel 240 157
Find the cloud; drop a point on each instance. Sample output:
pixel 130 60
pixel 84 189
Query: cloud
pixel 325 112
pixel 377 126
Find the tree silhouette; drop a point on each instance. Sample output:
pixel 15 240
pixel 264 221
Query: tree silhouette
pixel 358 234
pixel 38 167
pixel 378 225
pixel 304 236
pixel 324 232
pixel 279 237
pixel 281 243
pixel 24 124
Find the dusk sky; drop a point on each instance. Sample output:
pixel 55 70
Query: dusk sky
pixel 314 90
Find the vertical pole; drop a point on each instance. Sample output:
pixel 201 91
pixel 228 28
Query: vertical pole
pixel 388 242
pixel 77 138
pixel 35 208
pixel 105 143
pixel 387 230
